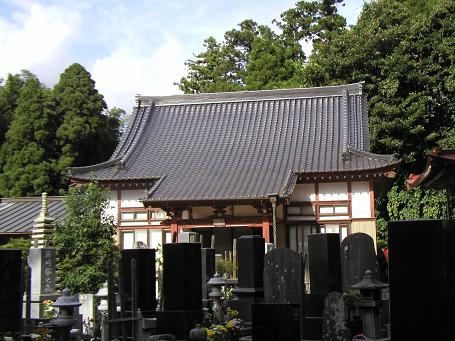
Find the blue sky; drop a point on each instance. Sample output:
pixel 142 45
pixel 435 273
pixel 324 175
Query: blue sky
pixel 129 47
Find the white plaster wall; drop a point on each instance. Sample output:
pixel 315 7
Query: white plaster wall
pixel 330 191
pixel 112 208
pixel 130 197
pixel 133 223
pixel 361 207
pixel 304 192
pixel 335 217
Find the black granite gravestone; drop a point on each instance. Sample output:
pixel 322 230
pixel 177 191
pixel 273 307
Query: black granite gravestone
pixel 313 305
pixel 324 262
pixel 283 277
pixel 422 279
pixel 145 278
pixel 182 289
pixel 10 290
pixel 250 253
pixel 250 288
pixel 335 316
pixel 357 256
pixel 276 322
pixel 207 269
pixel 325 276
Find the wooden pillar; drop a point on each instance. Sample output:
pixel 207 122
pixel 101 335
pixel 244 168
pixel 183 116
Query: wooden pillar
pixel 174 228
pixel 266 227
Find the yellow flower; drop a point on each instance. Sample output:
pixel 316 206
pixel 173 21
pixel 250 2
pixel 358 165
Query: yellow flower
pixel 209 332
pixel 230 325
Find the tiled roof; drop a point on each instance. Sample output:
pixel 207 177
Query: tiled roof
pixel 17 214
pixel 438 174
pixel 241 145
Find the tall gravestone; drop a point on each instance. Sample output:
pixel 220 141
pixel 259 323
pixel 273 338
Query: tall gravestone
pixel 284 284
pixel 283 277
pixel 422 279
pixel 325 276
pixel 41 259
pixel 250 288
pixel 11 290
pixel 207 269
pixel 357 256
pixel 182 290
pixel 324 262
pixel 145 279
pixel 335 317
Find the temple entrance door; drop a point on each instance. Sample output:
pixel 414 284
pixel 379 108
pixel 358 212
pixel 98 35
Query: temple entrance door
pixel 224 236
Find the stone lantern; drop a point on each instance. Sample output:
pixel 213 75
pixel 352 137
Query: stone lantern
pixel 65 319
pixel 216 282
pixel 370 304
pixel 102 295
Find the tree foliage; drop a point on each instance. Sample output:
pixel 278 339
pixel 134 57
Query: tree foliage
pixel 405 57
pixel 29 153
pixel 9 95
pixel 43 131
pixel 86 136
pixel 254 57
pixel 84 240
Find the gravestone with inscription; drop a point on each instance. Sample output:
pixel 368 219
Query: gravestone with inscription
pixel 335 316
pixel 283 277
pixel 41 259
pixel 284 285
pixel 10 290
pixel 42 263
pixel 357 256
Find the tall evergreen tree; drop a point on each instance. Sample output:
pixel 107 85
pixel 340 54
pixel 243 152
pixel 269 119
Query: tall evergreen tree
pixel 9 95
pixel 86 135
pixel 29 153
pixel 253 57
pixel 222 66
pixel 273 62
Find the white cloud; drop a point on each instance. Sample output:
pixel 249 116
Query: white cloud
pixel 37 38
pixel 124 73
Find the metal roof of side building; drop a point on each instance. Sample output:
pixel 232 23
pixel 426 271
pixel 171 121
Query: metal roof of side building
pixel 17 214
pixel 241 145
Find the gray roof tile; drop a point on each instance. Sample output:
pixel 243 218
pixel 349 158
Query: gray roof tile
pixel 17 214
pixel 241 145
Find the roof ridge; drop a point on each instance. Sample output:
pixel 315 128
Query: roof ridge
pixel 135 129
pixel 387 157
pixel 34 199
pixel 130 129
pixel 84 169
pixel 145 117
pixel 275 94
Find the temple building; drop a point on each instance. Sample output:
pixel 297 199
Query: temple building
pixel 230 164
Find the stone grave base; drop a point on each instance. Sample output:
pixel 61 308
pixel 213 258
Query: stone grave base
pixel 312 328
pixel 275 321
pixel 177 322
pixel 243 306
